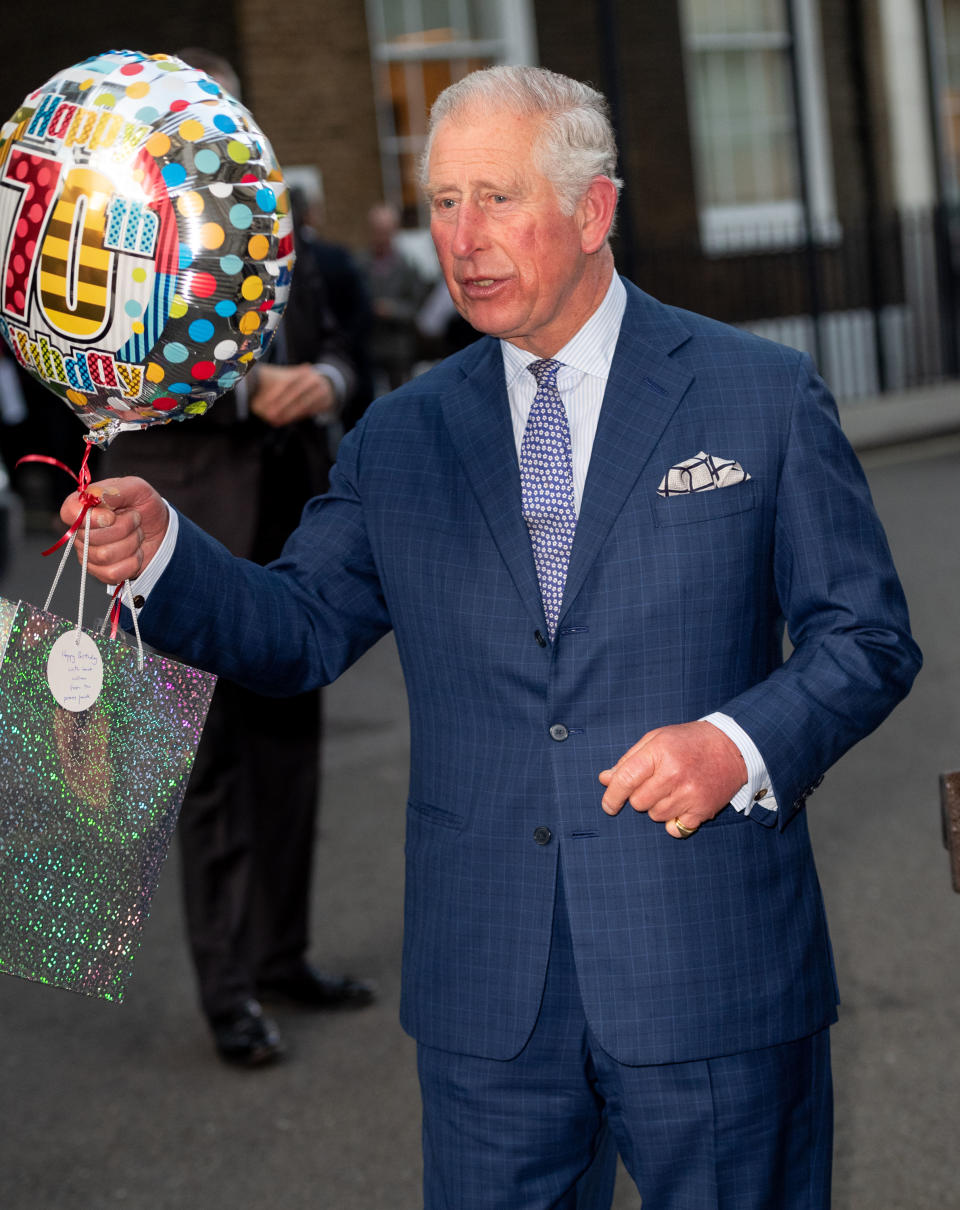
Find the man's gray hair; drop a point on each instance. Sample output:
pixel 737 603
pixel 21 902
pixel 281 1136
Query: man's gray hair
pixel 577 142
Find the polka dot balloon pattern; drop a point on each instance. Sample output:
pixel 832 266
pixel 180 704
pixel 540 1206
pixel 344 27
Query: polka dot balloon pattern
pixel 146 241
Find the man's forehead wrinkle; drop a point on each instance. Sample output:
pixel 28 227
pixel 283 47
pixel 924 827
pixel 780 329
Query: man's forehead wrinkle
pixel 491 140
pixel 488 156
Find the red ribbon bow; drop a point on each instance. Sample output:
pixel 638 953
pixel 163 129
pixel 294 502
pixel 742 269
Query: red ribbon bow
pixel 82 480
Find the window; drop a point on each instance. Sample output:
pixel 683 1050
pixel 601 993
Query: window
pixel 418 48
pixel 748 136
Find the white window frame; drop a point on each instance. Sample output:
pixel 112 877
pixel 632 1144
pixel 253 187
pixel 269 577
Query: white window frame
pixel 514 42
pixel 756 227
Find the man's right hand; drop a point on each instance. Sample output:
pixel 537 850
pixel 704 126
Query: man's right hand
pixel 126 528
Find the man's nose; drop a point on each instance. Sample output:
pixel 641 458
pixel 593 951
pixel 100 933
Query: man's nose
pixel 468 234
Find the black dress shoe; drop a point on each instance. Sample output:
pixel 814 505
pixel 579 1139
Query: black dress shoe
pixel 246 1037
pixel 307 986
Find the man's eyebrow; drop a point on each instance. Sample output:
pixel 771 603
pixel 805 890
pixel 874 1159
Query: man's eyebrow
pixel 513 185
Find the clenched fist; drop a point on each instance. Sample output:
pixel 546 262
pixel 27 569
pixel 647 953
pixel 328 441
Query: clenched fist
pixel 126 527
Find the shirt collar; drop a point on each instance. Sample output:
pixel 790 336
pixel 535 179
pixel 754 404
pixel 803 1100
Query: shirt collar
pixel 590 350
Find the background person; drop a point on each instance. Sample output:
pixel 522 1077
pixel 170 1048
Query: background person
pixel 248 821
pixel 348 297
pixel 397 290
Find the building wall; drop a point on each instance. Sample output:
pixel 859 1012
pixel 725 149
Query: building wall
pixel 304 65
pixel 54 34
pixel 308 79
pixel 656 133
pixel 856 105
pixel 641 44
pixel 307 76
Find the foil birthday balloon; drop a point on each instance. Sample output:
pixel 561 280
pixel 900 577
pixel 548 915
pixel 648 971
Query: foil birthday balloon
pixel 146 241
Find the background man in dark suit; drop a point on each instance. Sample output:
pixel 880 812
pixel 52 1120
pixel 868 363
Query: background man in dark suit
pixel 244 472
pixel 588 533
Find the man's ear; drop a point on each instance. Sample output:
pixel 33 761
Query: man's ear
pixel 597 208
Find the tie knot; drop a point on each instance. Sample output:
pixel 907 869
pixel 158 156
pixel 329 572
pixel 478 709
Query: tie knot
pixel 545 371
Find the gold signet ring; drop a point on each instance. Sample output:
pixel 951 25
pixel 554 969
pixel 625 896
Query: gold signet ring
pixel 684 831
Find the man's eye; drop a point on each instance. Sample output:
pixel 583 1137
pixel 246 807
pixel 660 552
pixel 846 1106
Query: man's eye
pixel 500 197
pixel 445 203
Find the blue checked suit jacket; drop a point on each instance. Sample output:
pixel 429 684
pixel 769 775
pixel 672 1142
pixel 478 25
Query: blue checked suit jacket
pixel 674 607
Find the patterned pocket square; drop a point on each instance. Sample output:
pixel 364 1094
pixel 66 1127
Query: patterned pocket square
pixel 702 473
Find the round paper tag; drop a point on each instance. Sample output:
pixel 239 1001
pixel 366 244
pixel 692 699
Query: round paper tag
pixel 75 671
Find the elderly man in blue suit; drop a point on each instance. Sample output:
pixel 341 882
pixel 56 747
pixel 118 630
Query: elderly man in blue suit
pixel 588 568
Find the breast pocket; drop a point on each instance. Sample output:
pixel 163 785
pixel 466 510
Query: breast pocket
pixel 705 506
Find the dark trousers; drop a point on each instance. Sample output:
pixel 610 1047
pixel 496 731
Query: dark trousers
pixel 744 1132
pixel 246 838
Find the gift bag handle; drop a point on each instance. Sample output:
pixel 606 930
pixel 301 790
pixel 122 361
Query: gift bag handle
pixel 123 591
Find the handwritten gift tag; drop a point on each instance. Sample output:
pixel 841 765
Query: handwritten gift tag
pixel 75 671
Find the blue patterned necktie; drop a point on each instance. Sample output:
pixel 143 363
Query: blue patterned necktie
pixel 546 483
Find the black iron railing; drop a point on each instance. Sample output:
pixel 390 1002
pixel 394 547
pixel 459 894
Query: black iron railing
pixel 877 304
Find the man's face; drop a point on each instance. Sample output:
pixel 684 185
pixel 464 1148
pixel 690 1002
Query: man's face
pixel 515 264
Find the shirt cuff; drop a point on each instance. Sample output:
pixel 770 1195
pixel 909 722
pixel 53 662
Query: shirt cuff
pixel 141 587
pixel 758 790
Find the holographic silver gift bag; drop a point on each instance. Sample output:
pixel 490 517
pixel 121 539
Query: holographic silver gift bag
pixel 97 740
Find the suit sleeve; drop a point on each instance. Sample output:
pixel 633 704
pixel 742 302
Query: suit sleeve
pixel 852 656
pixel 290 626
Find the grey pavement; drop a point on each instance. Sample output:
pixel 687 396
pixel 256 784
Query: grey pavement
pixel 125 1106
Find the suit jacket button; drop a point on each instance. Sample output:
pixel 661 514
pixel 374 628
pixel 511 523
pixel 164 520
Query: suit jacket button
pixel 542 835
pixel 559 732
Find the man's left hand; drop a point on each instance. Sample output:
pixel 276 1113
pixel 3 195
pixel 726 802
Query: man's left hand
pixel 686 772
pixel 284 394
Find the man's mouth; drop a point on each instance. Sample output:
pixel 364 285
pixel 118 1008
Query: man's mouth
pixel 481 287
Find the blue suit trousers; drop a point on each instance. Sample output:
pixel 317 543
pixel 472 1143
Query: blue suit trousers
pixel 751 1131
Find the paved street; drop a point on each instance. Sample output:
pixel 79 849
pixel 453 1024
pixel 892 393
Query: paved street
pixel 107 1106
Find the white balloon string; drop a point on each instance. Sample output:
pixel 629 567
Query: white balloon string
pixel 59 572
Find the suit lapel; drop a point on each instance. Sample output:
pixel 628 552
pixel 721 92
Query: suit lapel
pixel 477 415
pixel 643 391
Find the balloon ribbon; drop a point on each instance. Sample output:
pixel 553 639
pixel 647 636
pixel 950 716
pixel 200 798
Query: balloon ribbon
pixel 82 480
